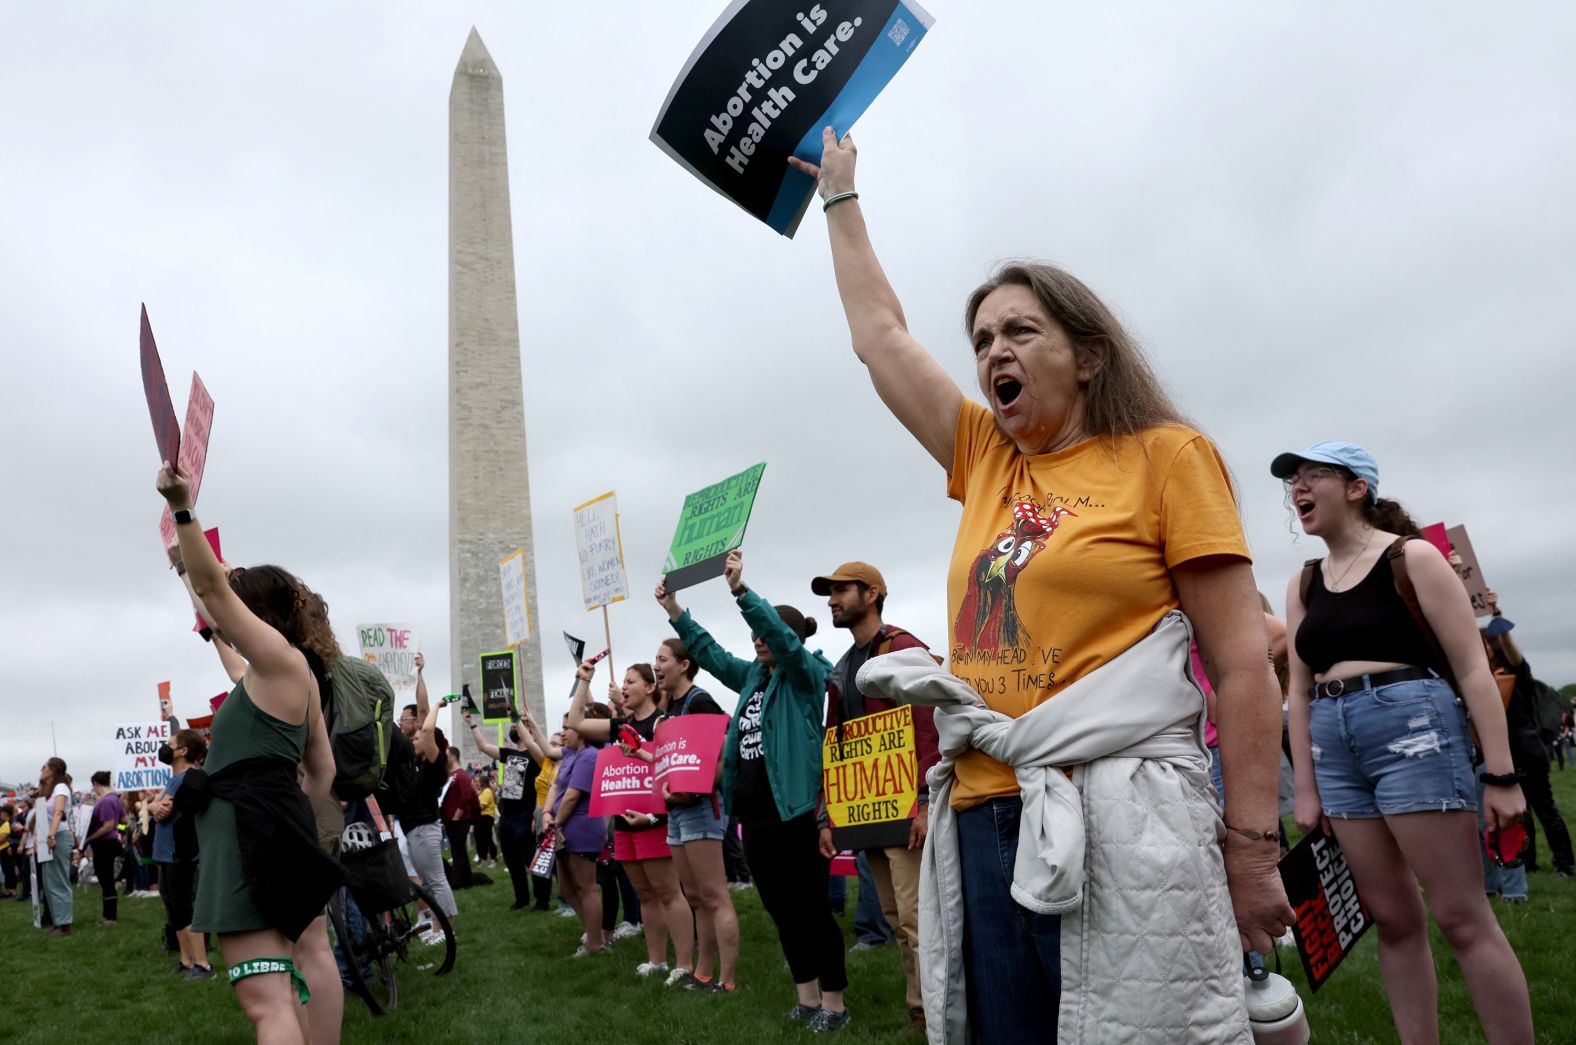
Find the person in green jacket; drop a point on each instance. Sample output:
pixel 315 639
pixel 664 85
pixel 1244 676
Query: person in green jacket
pixel 771 779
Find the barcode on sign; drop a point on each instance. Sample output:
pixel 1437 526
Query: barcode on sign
pixel 899 31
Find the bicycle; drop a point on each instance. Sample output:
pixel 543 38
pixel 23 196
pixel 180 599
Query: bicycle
pixel 373 925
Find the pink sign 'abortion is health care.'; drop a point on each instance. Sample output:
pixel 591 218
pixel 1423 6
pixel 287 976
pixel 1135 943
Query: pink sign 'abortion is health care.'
pixel 687 749
pixel 623 785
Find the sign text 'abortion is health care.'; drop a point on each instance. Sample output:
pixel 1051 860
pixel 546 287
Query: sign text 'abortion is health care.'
pixel 687 749
pixel 711 525
pixel 137 763
pixel 392 647
pixel 623 785
pixel 765 79
pixel 601 550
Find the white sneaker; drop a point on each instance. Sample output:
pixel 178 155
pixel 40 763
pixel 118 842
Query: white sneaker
pixel 739 887
pixel 432 938
pixel 566 912
pixel 650 969
pixel 678 975
pixel 624 930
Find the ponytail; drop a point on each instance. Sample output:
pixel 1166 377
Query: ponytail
pixel 1387 515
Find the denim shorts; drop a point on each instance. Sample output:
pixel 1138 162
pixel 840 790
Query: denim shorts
pixel 695 823
pixel 1387 750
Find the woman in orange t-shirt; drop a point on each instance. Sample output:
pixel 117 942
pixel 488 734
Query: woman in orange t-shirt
pixel 1089 511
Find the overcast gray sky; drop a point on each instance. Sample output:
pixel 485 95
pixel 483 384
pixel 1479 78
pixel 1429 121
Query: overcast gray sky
pixel 1325 221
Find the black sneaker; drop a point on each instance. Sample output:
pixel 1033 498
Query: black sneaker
pixel 181 969
pixel 802 1013
pixel 826 1021
pixel 199 972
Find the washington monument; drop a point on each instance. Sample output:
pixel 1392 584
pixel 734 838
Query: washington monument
pixel 489 494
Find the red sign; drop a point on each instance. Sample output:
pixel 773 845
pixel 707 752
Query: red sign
pixel 194 450
pixel 164 702
pixel 166 430
pixel 214 702
pixel 1331 917
pixel 623 785
pixel 203 725
pixel 687 749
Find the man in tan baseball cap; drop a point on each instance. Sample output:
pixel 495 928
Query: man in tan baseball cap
pixel 856 595
pixel 850 573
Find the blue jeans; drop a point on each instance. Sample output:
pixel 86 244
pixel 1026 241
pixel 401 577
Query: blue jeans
pixel 1012 957
pixel 869 924
pixel 1392 749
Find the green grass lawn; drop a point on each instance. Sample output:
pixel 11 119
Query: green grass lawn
pixel 514 981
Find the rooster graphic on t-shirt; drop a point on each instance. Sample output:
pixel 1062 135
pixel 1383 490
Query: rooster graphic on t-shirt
pixel 988 618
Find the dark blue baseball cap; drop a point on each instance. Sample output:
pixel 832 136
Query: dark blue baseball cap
pixel 1496 627
pixel 1349 456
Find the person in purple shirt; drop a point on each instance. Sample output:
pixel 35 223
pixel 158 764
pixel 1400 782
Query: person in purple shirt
pixel 581 837
pixel 103 840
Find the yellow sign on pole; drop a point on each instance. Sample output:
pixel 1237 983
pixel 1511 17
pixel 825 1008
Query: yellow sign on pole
pixel 870 777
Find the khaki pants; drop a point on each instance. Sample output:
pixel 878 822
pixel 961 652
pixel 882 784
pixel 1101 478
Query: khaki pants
pixel 896 872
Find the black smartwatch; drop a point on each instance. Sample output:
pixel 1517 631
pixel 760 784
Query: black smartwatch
pixel 182 516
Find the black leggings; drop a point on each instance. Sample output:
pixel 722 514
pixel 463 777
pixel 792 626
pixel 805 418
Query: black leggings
pixel 482 827
pixel 104 853
pixel 518 846
pixel 791 877
pixel 616 887
pixel 459 856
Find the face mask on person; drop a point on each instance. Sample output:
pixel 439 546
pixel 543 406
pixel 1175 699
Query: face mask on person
pixel 166 754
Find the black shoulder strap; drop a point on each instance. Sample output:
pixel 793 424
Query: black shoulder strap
pixel 1396 553
pixel 1307 581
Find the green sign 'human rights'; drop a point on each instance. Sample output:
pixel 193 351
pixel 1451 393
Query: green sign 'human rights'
pixel 710 526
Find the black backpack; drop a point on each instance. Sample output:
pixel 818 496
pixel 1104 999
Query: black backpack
pixel 397 795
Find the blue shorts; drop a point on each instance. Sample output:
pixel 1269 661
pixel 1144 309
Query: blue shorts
pixel 695 823
pixel 1400 748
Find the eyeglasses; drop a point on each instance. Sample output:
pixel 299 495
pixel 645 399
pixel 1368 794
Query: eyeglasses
pixel 1308 476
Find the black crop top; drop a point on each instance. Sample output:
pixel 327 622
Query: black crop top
pixel 1369 621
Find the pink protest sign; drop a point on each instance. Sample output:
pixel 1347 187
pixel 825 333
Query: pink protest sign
pixel 166 430
pixel 623 785
pixel 194 449
pixel 687 749
pixel 1436 536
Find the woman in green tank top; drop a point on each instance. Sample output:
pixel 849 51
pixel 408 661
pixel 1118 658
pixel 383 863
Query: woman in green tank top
pixel 272 719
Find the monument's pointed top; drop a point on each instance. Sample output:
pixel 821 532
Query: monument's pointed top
pixel 475 59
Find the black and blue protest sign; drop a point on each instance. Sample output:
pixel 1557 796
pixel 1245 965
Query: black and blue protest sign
pixel 763 82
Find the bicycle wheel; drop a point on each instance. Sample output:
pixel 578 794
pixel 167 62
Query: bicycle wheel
pixel 364 951
pixel 433 951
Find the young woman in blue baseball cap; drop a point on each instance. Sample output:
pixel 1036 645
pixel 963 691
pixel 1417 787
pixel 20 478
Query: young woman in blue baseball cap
pixel 1380 741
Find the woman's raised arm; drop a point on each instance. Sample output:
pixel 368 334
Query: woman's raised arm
pixel 597 729
pixel 908 379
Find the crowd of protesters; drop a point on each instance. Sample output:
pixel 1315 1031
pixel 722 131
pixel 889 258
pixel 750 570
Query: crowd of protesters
pixel 1100 542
